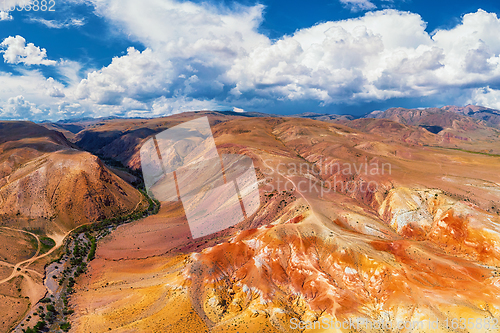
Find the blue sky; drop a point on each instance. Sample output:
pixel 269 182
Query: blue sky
pixel 150 58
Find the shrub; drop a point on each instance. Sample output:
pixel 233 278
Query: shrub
pixel 93 246
pixel 40 325
pixel 67 311
pixel 65 326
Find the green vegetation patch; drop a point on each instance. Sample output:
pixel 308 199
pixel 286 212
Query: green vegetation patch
pixel 46 244
pixel 66 326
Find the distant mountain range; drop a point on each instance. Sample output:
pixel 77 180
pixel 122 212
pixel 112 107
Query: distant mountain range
pixel 490 116
pixel 440 117
pixel 470 128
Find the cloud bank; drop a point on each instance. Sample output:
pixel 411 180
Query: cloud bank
pixel 199 56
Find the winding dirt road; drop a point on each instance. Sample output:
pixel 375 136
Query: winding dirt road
pixel 35 288
pixel 15 271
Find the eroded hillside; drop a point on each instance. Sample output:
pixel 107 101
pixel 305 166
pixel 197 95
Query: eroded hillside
pixel 352 224
pixel 47 188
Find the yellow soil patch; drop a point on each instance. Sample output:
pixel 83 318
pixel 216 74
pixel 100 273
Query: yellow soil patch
pixel 12 309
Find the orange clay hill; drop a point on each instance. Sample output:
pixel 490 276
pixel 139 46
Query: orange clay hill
pixel 47 188
pixel 380 221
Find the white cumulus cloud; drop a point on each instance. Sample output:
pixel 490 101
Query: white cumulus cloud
pixel 487 97
pixel 134 75
pixel 19 108
pixel 5 16
pixel 16 51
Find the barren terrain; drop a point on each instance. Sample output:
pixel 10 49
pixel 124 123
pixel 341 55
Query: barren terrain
pixel 418 241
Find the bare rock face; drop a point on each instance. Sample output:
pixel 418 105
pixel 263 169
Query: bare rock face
pixel 409 212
